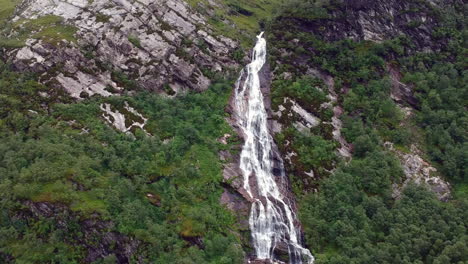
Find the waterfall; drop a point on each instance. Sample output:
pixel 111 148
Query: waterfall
pixel 271 217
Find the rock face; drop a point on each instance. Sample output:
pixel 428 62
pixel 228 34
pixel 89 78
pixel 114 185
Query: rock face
pixel 380 20
pixel 99 242
pixel 401 93
pixel 157 43
pixel 419 171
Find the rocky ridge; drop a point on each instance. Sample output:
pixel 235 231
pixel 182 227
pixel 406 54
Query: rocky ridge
pixel 378 21
pixel 162 45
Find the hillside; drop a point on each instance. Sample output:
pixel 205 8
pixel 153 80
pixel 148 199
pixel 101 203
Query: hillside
pixel 125 137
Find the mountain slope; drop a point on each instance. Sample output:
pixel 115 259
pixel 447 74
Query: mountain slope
pixel 378 67
pixel 118 141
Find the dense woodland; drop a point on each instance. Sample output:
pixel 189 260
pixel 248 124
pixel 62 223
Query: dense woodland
pixel 353 217
pixel 66 156
pixel 160 193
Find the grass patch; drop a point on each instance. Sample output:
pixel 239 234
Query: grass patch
pixel 135 41
pixel 246 15
pixel 54 192
pixel 102 18
pixel 7 7
pixel 460 191
pixel 48 28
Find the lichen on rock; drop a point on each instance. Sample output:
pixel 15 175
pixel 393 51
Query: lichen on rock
pixel 106 43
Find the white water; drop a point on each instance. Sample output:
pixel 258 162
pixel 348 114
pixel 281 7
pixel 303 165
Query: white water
pixel 271 217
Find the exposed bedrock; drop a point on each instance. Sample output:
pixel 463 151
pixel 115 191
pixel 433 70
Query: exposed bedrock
pixel 163 45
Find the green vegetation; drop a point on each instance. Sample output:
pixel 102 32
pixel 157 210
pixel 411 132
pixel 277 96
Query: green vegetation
pixel 353 217
pixel 102 18
pixel 346 225
pixel 442 91
pixel 308 92
pixel 248 16
pixel 7 9
pixel 48 28
pixel 62 168
pixel 134 40
pixel 162 190
pixel 314 154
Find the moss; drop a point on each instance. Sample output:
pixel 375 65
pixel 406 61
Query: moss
pixel 238 55
pixel 102 18
pixel 123 80
pixel 90 202
pixel 460 191
pixel 165 26
pixel 111 89
pixel 181 53
pixel 135 41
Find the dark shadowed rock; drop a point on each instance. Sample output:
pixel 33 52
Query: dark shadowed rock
pixel 98 241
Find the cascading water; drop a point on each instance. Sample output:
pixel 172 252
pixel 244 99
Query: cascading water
pixel 271 217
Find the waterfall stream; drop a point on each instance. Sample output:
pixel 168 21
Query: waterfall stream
pixel 271 217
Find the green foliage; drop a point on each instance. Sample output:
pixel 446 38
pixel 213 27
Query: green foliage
pixel 371 229
pixel 135 41
pixel 8 6
pixel 123 80
pixel 72 159
pixel 307 91
pixel 49 28
pixel 238 55
pixel 353 218
pixel 443 92
pixel 308 10
pixel 247 16
pixel 313 153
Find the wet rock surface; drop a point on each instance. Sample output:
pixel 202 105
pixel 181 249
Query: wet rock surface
pixel 160 44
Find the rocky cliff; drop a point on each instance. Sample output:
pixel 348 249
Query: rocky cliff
pixel 161 45
pixel 322 44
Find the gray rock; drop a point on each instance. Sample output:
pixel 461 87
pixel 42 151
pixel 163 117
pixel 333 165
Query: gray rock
pixel 97 240
pixel 138 38
pixel 419 171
